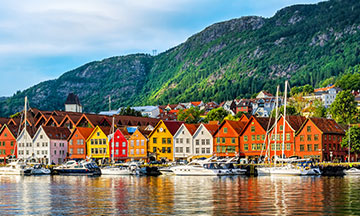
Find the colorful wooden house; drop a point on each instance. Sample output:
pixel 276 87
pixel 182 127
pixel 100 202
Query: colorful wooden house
pixel 119 142
pixel 226 139
pixel 254 137
pixel 97 143
pixel 203 140
pixel 25 143
pixel 8 147
pixel 138 144
pixel 292 125
pixel 320 138
pixel 183 141
pixel 50 144
pixel 77 142
pixel 160 144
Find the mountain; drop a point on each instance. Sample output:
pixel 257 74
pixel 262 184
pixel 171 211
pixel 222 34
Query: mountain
pixel 237 58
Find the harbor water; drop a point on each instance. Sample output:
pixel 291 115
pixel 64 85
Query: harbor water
pixel 179 195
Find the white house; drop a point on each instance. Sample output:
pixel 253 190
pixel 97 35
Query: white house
pixel 327 95
pixel 204 139
pixel 50 144
pixel 183 141
pixel 72 103
pixel 25 148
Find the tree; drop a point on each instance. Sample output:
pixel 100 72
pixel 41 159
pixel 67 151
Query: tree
pixel 354 139
pixel 217 114
pixel 349 82
pixel 231 118
pixel 190 116
pixel 307 89
pixel 343 109
pixel 129 112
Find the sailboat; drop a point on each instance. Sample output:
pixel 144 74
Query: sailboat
pixel 288 169
pixel 17 166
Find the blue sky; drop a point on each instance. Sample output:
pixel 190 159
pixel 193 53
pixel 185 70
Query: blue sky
pixel 41 39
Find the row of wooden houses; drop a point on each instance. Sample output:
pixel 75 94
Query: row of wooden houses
pixel 66 135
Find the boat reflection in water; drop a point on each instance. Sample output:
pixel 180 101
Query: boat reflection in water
pixel 179 195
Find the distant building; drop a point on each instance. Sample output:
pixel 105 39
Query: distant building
pixel 327 95
pixel 72 103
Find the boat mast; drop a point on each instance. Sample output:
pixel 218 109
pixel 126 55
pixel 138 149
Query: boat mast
pixel 349 160
pixel 283 137
pixel 112 140
pixel 276 116
pixel 25 121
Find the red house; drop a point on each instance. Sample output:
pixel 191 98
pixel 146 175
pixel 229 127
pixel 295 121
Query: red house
pixel 8 147
pixel 119 141
pixel 292 125
pixel 253 138
pixel 320 138
pixel 226 139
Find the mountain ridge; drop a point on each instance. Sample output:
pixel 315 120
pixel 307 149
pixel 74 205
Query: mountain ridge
pixel 226 60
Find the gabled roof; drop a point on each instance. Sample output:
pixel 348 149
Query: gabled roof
pixel 196 103
pixel 14 130
pixel 262 121
pixel 172 126
pixel 4 121
pixel 212 128
pixel 238 126
pixel 71 117
pixel 191 128
pixel 55 119
pixel 84 131
pixel 93 119
pixel 58 133
pixel 295 122
pixel 30 130
pixel 106 130
pixel 327 125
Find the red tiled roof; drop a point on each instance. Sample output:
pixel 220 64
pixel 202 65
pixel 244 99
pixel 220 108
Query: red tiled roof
pixel 264 121
pixel 84 131
pixel 328 125
pixel 295 121
pixel 106 130
pixel 212 128
pixel 324 89
pixel 192 128
pixel 196 103
pixel 58 133
pixel 238 126
pixel 4 120
pixel 172 126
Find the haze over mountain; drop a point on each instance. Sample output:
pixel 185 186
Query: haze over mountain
pixel 227 60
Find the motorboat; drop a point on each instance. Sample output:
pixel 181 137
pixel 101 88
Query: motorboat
pixel 352 172
pixel 16 168
pixel 73 167
pixel 119 170
pixel 288 169
pixel 307 167
pixel 148 171
pixel 39 169
pixel 261 171
pixel 166 171
pixel 197 168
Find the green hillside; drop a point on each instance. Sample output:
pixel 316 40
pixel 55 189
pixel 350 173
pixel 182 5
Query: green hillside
pixel 232 59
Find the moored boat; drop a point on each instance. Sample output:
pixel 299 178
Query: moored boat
pixel 16 168
pixel 119 170
pixel 78 168
pixel 352 172
pixel 38 169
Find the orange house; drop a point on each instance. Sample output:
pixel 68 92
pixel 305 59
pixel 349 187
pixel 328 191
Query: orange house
pixel 292 125
pixel 320 138
pixel 138 144
pixel 8 147
pixel 226 139
pixel 77 142
pixel 253 138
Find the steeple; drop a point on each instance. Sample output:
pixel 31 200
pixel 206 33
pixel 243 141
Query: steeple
pixel 72 103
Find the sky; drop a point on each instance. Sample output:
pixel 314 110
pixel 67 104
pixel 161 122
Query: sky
pixel 42 39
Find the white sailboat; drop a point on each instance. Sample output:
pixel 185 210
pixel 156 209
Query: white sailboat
pixel 289 169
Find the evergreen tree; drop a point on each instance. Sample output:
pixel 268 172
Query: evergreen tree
pixel 343 109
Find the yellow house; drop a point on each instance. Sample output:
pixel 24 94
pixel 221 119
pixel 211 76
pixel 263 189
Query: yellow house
pixel 160 145
pixel 97 143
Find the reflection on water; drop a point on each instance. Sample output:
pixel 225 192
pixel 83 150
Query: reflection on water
pixel 175 195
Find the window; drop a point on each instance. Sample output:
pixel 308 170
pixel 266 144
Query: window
pixel 245 138
pixel 252 137
pixel 181 140
pixel 117 151
pixel 301 137
pixel 92 142
pixel 252 128
pixel 187 149
pixel 262 137
pixel 100 141
pixel 123 151
pixel 197 141
pixel 207 150
pixel 154 149
pixel 169 140
pixel 169 150
pixel 218 140
pixel 225 130
pixel 177 149
pixel 203 150
pixel 12 143
pixel 316 137
pixel 187 140
pixel 302 148
pixel 223 140
pixel 154 140
pixel 96 141
pixel 202 141
pixel 316 147
pixel 308 129
pixel 71 151
pixel 253 146
pixel 246 147
pixel 233 140
pixel 104 141
pixel 325 136
pixel 198 151
pixel 309 147
pixel 288 146
pixel 309 137
pixel 132 143
pixel 287 137
pixel 329 137
pixel 142 142
pixel 207 142
pixel 163 140
pixel 54 152
pixel 124 144
pixel 137 151
pixel 142 151
pixel 137 142
pixel 55 144
pixel 71 142
pixel 163 150
pixel 117 143
pixel 98 134
pixel 181 149
pixel 281 127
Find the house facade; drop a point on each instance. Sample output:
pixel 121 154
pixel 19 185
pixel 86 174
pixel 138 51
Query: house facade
pixel 203 140
pixel 160 145
pixel 138 144
pixel 25 144
pixel 183 141
pixel 118 145
pixel 97 144
pixel 77 143
pixel 8 145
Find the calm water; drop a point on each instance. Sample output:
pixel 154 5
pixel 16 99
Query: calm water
pixel 172 195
